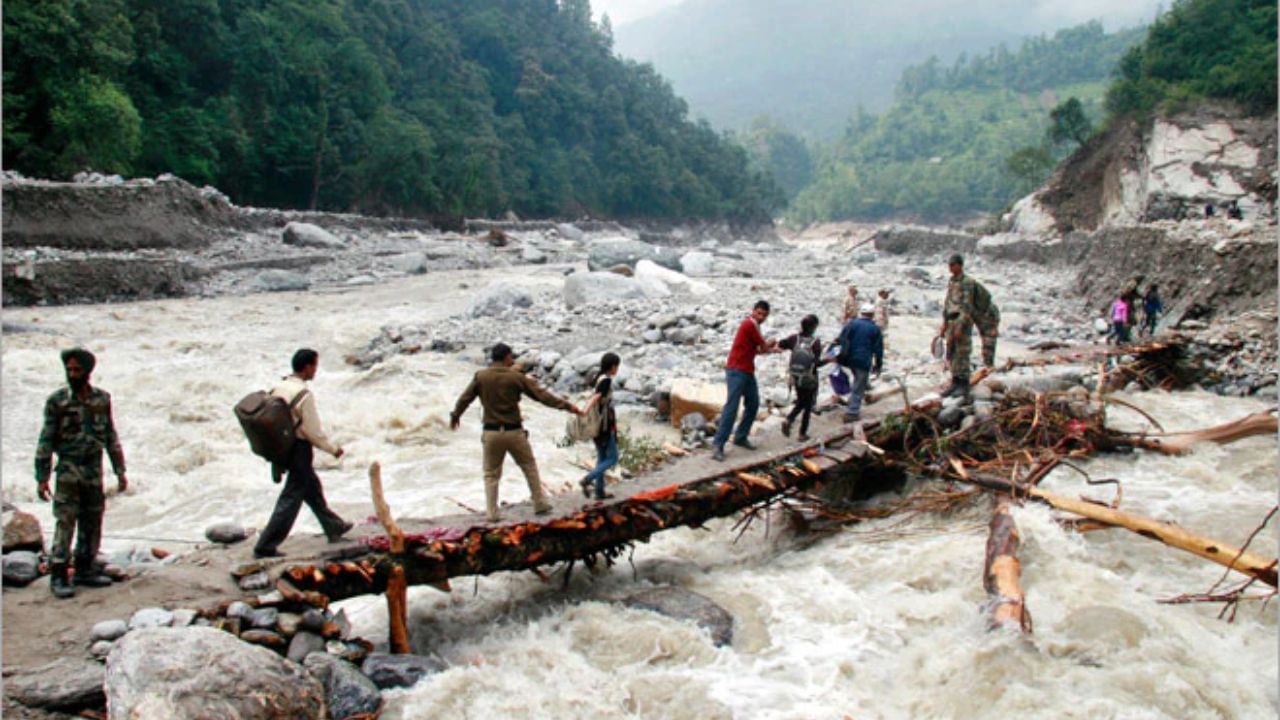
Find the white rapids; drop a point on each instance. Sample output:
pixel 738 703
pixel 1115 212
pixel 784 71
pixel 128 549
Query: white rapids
pixel 883 620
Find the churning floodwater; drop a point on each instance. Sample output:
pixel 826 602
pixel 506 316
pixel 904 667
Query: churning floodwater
pixel 883 620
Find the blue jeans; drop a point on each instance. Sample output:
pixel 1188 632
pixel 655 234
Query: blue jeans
pixel 860 378
pixel 742 387
pixel 606 457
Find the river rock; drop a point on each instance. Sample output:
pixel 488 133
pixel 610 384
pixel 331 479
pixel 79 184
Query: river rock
pixel 226 533
pixel 308 235
pixel 347 691
pixel 183 617
pixel 410 263
pixel 109 630
pixel 280 281
pixel 651 335
pixel 101 649
pixel 312 620
pixel 533 255
pixel 21 568
pixel 255 581
pixel 265 638
pixel 650 273
pixel 263 617
pixel 697 263
pixel 150 618
pixel 65 684
pixel 303 644
pixel 239 609
pixel 569 232
pixel 686 605
pixel 497 298
pixel 393 671
pixel 600 287
pixel 196 672
pixel 950 417
pixel 613 253
pixel 22 532
pixel 693 396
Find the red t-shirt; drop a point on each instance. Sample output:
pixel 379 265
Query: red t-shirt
pixel 748 342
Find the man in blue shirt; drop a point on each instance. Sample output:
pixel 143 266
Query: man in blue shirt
pixel 862 351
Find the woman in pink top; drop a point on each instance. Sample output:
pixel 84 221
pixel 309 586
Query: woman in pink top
pixel 1120 320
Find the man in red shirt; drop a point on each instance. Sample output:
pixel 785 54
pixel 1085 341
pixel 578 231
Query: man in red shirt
pixel 740 376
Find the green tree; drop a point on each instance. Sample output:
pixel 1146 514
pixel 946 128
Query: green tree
pixel 1069 123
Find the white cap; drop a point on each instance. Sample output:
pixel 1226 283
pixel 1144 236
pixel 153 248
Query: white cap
pixel 867 309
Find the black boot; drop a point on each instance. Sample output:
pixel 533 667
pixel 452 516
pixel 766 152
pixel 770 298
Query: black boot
pixel 959 387
pixel 88 575
pixel 58 584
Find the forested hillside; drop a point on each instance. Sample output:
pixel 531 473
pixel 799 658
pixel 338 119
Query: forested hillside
pixel 1219 49
pixel 411 107
pixel 941 150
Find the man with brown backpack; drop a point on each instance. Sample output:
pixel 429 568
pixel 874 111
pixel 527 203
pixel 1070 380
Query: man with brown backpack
pixel 302 485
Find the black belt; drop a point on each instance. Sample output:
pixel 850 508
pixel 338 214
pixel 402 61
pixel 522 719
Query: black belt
pixel 952 316
pixel 499 427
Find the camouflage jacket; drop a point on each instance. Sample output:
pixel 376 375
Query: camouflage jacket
pixel 77 429
pixel 968 301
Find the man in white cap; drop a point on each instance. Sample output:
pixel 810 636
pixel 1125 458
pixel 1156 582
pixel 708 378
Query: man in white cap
pixel 862 351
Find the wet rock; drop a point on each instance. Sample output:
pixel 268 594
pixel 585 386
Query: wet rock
pixel 312 621
pixel 255 581
pixel 150 618
pixel 280 281
pixel 109 630
pixel 20 568
pixel 347 691
pixel 21 531
pixel 950 417
pixel 66 684
pixel 288 623
pixel 498 298
pixel 395 671
pixel 265 638
pixel 303 644
pixel 263 617
pixel 195 672
pixel 686 605
pixel 226 533
pixel 307 235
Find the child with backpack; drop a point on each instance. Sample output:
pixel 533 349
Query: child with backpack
pixel 806 358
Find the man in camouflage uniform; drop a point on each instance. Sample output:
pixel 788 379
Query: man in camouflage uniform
pixel 78 427
pixel 967 303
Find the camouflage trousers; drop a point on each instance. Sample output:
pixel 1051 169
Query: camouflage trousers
pixel 959 348
pixel 78 503
pixel 989 335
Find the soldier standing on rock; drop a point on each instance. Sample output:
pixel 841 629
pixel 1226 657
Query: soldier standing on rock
pixel 78 427
pixel 967 302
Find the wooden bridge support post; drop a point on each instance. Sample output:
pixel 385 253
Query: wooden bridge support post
pixel 397 587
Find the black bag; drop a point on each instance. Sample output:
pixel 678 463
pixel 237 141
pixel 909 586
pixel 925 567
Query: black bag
pixel 804 364
pixel 268 423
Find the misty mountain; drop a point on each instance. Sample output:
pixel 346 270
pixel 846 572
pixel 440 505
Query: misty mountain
pixel 812 63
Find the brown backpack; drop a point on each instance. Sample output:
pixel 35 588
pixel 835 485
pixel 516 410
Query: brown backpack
pixel 268 423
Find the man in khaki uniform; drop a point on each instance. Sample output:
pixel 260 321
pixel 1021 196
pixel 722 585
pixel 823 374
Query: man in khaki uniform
pixel 499 388
pixel 849 311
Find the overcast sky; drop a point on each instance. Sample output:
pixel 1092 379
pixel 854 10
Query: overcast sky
pixel 1061 13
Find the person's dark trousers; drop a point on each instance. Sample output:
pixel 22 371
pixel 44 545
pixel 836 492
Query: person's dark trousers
pixel 860 378
pixel 805 400
pixel 742 389
pixel 302 486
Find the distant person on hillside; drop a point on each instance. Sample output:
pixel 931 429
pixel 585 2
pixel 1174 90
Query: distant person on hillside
pixel 850 308
pixel 77 427
pixel 881 317
pixel 1208 211
pixel 740 377
pixel 1233 210
pixel 606 441
pixel 1152 306
pixel 1120 320
pixel 302 485
pixel 806 358
pixel 500 387
pixel 862 351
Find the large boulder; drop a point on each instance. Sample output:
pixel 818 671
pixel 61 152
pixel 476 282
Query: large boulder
pixel 691 396
pixel 308 235
pixel 686 605
pixel 199 672
pixel 650 273
pixel 497 298
pixel 21 531
pixel 280 281
pixel 347 691
pixel 226 533
pixel 697 263
pixel 922 241
pixel 600 287
pixel 21 568
pixel 410 263
pixel 66 684
pixel 627 252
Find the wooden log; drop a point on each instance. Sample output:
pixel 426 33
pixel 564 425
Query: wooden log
pixel 1263 423
pixel 1247 563
pixel 1002 573
pixel 397 591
